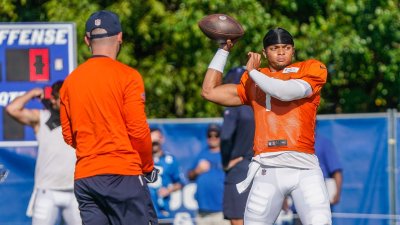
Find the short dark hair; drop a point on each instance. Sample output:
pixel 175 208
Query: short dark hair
pixel 55 88
pixel 153 129
pixel 277 36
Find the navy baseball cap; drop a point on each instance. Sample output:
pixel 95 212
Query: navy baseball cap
pixel 277 36
pixel 213 128
pixel 106 20
pixel 234 75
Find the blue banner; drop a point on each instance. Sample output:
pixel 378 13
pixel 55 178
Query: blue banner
pixel 361 142
pixel 17 165
pixel 362 147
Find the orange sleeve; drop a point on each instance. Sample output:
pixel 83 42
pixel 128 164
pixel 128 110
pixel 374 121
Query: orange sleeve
pixel 136 121
pixel 65 122
pixel 315 74
pixel 242 86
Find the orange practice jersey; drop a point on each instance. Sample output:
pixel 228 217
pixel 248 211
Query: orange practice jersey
pixel 103 118
pixel 285 125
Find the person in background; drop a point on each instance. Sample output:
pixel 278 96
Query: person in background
pixel 331 167
pixel 286 216
pixel 170 177
pixel 53 191
pixel 237 134
pixel 209 175
pixel 103 117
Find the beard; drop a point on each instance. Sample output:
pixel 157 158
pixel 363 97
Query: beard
pixel 280 65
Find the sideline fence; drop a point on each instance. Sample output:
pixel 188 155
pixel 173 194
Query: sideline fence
pixel 367 145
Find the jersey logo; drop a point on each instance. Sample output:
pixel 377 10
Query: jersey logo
pixel 3 173
pixel 169 159
pixel 291 70
pixel 263 172
pixel 277 143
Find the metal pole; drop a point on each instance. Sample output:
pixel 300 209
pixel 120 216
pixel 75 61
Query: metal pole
pixel 392 158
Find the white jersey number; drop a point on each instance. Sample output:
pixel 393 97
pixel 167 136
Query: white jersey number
pixel 267 102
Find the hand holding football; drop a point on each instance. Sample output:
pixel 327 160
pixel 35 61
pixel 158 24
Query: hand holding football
pixel 221 27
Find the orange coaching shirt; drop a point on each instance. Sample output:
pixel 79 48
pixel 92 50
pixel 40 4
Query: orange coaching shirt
pixel 103 118
pixel 285 125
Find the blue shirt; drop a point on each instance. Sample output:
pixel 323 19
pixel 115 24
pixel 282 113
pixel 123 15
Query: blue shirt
pixel 210 185
pixel 237 134
pixel 327 156
pixel 169 175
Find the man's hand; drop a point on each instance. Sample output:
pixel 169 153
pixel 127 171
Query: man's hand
pixel 253 62
pixel 335 199
pixel 152 176
pixel 164 192
pixel 227 46
pixel 233 163
pixel 37 93
pixel 203 166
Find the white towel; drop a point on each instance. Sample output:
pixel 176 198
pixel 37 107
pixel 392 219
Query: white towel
pixel 29 210
pixel 254 166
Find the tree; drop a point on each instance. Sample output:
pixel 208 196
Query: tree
pixel 359 41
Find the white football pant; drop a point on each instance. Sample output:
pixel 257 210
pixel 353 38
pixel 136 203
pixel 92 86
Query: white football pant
pixel 272 184
pixel 50 204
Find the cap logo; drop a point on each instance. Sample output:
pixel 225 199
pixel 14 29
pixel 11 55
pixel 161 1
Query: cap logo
pixel 97 22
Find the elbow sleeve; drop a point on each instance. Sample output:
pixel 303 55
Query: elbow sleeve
pixel 284 90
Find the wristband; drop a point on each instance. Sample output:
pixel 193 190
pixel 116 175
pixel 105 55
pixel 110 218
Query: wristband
pixel 219 60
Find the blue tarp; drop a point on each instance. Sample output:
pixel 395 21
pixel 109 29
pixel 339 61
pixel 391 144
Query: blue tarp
pixel 16 188
pixel 362 147
pixel 361 142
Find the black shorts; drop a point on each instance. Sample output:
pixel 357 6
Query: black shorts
pixel 114 199
pixel 234 203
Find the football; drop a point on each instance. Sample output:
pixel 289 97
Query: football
pixel 221 27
